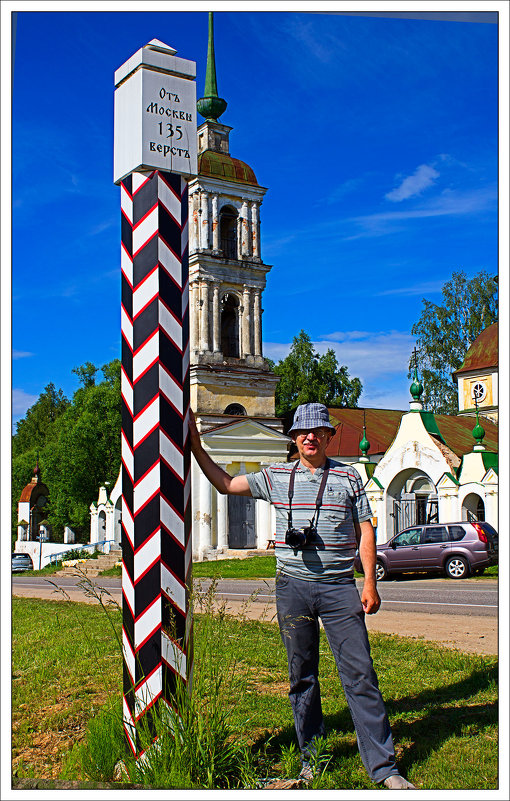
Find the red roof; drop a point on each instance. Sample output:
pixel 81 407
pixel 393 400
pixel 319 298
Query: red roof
pixel 483 353
pixel 382 426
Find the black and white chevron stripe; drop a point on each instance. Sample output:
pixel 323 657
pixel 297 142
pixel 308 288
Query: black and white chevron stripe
pixel 156 509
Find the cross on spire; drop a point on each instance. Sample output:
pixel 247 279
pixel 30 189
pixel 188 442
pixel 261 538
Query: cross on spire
pixel 416 388
pixel 364 444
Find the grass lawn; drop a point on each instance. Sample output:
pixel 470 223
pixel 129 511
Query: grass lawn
pixel 67 669
pixel 253 567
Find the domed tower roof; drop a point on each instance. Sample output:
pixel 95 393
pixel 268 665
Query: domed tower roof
pixel 34 488
pixel 221 165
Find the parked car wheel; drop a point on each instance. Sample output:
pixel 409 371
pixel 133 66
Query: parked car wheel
pixel 457 567
pixel 380 571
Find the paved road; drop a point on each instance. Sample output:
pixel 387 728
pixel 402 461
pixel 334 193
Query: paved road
pixel 431 596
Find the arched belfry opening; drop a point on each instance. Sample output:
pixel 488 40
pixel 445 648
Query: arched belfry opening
pixel 235 408
pixel 228 232
pixel 230 325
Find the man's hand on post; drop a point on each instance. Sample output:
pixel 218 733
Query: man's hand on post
pixel 194 436
pixel 219 478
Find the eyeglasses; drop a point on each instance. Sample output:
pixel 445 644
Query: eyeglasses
pixel 318 433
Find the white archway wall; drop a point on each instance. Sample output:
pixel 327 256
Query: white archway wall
pixel 471 504
pixel 489 496
pixel 263 523
pixel 448 502
pixel 396 487
pixel 376 501
pixel 209 514
pixel 395 468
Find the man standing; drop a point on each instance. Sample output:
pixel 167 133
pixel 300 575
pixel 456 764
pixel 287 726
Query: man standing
pixel 322 515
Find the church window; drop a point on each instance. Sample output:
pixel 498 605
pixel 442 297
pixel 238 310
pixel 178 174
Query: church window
pixel 479 391
pixel 228 232
pixel 235 408
pixel 230 325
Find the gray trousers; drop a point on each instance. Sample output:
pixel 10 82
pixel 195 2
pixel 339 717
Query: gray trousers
pixel 300 604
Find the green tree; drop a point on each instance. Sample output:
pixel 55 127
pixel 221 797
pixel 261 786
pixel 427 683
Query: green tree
pixel 86 374
pixel 36 428
pixel 306 377
pixel 82 453
pixel 445 332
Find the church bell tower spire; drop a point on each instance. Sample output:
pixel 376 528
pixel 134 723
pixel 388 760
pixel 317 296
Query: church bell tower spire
pixel 228 373
pixel 211 106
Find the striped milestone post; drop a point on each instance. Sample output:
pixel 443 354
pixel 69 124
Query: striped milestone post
pixel 156 509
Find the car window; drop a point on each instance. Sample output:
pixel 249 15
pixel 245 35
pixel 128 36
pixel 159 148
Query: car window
pixel 457 533
pixel 409 537
pixel 489 530
pixel 434 534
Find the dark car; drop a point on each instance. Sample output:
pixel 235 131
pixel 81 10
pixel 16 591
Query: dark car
pixel 457 549
pixel 21 562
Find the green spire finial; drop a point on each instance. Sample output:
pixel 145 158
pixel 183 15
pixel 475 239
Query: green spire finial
pixel 416 387
pixel 478 432
pixel 211 106
pixel 364 444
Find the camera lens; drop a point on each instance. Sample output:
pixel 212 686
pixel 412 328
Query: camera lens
pixel 295 538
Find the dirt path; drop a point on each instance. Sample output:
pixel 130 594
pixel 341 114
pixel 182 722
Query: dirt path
pixel 477 635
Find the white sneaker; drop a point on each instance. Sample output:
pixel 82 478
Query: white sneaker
pixel 397 782
pixel 306 772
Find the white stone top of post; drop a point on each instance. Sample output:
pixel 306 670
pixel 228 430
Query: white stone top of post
pixel 157 56
pixel 155 113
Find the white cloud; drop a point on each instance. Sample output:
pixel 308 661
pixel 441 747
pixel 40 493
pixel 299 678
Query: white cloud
pixel 423 177
pixel 425 288
pixel 21 354
pixel 449 204
pixel 373 355
pixel 276 350
pixel 345 188
pixel 21 401
pixel 342 336
pixel 379 358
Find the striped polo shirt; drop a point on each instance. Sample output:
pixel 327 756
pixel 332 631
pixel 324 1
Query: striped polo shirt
pixel 330 557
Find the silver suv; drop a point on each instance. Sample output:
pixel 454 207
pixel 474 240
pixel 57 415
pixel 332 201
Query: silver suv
pixel 21 562
pixel 457 549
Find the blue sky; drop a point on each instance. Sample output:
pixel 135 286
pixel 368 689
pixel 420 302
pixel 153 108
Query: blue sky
pixel 376 137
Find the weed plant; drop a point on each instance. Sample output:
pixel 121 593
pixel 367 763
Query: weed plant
pixel 198 744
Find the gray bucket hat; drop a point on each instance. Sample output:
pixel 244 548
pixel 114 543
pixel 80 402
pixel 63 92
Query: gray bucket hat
pixel 311 415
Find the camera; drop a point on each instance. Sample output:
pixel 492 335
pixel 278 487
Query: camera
pixel 299 537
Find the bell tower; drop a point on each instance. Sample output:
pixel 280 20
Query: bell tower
pixel 228 374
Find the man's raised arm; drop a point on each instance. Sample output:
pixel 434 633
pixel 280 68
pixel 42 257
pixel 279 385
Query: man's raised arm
pixel 218 477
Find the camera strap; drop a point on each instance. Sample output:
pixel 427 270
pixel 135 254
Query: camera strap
pixel 318 502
